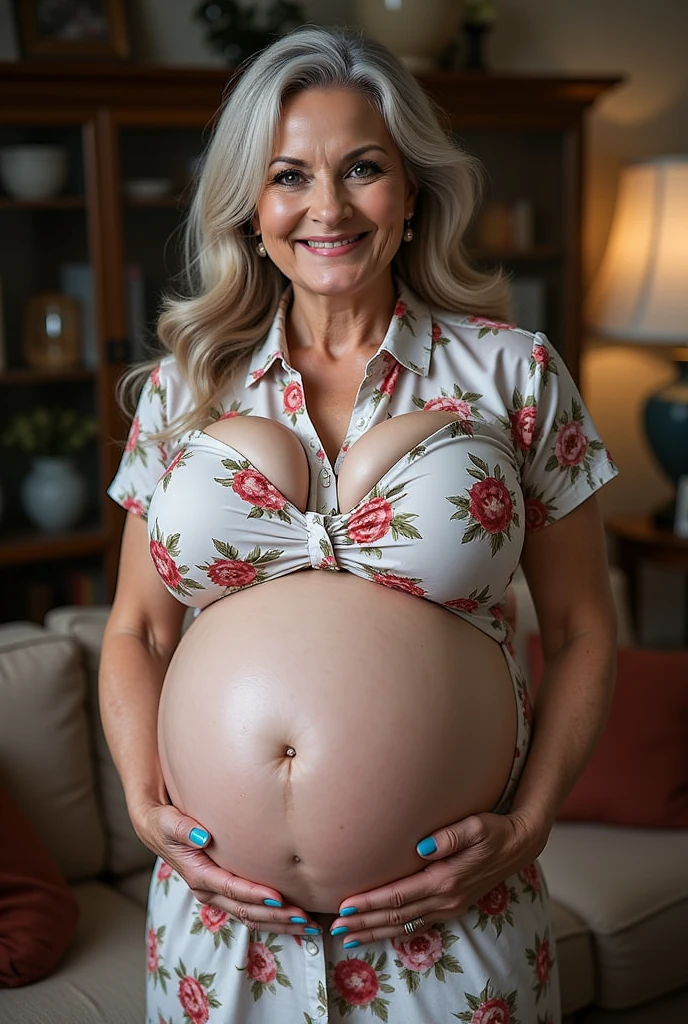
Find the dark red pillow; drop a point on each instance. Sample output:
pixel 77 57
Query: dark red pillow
pixel 38 913
pixel 638 773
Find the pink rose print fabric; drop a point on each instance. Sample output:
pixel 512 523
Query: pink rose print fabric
pixel 255 489
pixel 445 523
pixel 495 909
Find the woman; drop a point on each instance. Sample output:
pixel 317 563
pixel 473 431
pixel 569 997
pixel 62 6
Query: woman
pixel 339 778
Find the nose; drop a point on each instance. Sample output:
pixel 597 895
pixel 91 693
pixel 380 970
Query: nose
pixel 329 202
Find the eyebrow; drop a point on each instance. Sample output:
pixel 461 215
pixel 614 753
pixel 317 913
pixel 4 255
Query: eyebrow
pixel 348 156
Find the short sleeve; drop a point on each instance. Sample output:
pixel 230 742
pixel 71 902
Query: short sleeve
pixel 143 460
pixel 567 460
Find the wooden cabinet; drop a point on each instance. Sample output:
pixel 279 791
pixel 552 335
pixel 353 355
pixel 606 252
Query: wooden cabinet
pixel 132 136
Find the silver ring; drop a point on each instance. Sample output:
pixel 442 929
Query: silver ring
pixel 412 926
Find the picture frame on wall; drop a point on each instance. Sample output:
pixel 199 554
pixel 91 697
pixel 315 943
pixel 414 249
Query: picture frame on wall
pixel 96 29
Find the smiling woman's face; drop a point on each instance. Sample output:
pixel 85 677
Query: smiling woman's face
pixel 333 208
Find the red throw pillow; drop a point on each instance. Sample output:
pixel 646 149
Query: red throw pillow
pixel 38 913
pixel 638 773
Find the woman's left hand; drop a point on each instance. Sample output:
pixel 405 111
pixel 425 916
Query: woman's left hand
pixel 471 858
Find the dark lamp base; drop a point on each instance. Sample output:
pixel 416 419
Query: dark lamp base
pixel 663 518
pixel 666 424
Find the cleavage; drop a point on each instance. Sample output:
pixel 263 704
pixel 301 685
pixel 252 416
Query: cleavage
pixel 278 453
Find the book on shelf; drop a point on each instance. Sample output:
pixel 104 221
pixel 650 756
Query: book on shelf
pixel 76 280
pixel 529 295
pixel 84 587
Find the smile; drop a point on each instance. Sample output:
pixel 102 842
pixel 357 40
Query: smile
pixel 338 244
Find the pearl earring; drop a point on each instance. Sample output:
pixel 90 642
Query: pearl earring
pixel 408 231
pixel 260 248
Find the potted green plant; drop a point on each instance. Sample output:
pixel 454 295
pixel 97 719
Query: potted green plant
pixel 53 493
pixel 237 30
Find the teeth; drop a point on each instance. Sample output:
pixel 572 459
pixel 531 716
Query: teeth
pixel 332 245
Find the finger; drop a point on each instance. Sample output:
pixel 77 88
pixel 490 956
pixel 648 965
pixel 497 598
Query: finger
pixel 414 888
pixel 394 932
pixel 210 877
pixel 384 923
pixel 289 919
pixel 183 829
pixel 462 835
pixel 203 873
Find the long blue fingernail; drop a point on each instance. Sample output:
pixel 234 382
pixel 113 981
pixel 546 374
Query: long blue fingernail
pixel 199 836
pixel 348 911
pixel 272 903
pixel 427 846
pixel 339 931
pixel 298 920
pixel 350 945
pixel 312 931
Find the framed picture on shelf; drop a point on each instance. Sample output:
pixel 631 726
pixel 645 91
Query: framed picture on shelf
pixel 74 28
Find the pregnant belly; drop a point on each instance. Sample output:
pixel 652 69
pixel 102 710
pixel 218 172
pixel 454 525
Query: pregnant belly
pixel 320 725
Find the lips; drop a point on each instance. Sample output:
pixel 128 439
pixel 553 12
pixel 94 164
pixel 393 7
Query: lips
pixel 335 243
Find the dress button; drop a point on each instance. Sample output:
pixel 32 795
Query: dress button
pixel 325 477
pixel 313 445
pixel 311 947
pixel 361 422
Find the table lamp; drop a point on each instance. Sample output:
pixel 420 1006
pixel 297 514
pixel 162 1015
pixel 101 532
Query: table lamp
pixel 640 295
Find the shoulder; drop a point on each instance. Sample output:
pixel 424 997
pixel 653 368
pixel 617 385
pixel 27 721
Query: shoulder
pixel 487 335
pixel 168 383
pixel 492 346
pixel 163 397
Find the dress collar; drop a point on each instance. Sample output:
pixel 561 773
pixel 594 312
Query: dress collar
pixel 408 338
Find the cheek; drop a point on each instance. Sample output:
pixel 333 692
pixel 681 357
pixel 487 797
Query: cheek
pixel 277 215
pixel 388 211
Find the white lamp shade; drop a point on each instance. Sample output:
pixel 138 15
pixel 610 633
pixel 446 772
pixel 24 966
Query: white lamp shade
pixel 641 291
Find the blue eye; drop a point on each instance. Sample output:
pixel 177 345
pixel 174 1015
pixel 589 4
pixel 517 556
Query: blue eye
pixel 365 169
pixel 288 178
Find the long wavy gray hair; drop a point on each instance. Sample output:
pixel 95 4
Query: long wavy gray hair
pixel 231 294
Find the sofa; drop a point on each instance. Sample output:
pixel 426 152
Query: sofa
pixel 620 895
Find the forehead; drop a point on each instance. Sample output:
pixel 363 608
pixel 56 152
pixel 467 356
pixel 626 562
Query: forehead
pixel 321 114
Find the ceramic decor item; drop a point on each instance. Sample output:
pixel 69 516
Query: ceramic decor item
pixel 53 494
pixel 417 31
pixel 33 172
pixel 52 331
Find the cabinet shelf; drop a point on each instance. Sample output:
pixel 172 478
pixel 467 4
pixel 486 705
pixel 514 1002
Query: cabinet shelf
pixel 27 375
pixel 31 547
pixel 162 203
pixel 537 254
pixel 126 123
pixel 57 203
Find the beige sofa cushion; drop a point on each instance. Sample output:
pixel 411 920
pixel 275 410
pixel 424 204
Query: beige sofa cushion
pixel 630 886
pixel 575 958
pixel 125 853
pixel 102 978
pixel 45 749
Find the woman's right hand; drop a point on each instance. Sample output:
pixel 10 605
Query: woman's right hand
pixel 181 842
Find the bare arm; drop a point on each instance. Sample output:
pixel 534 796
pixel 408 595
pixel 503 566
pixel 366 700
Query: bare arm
pixel 567 572
pixel 142 632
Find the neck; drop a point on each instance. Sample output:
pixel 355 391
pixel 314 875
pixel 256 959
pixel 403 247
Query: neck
pixel 339 326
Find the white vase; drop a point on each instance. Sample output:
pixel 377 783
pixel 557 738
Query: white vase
pixel 53 494
pixel 417 31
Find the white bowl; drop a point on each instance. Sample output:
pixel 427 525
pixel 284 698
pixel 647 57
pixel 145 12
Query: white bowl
pixel 33 172
pixel 148 188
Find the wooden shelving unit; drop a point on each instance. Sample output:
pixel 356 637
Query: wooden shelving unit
pixel 126 122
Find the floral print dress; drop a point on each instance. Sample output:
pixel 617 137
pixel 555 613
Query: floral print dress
pixel 531 455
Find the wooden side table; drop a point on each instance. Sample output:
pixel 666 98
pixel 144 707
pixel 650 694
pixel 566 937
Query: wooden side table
pixel 639 540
